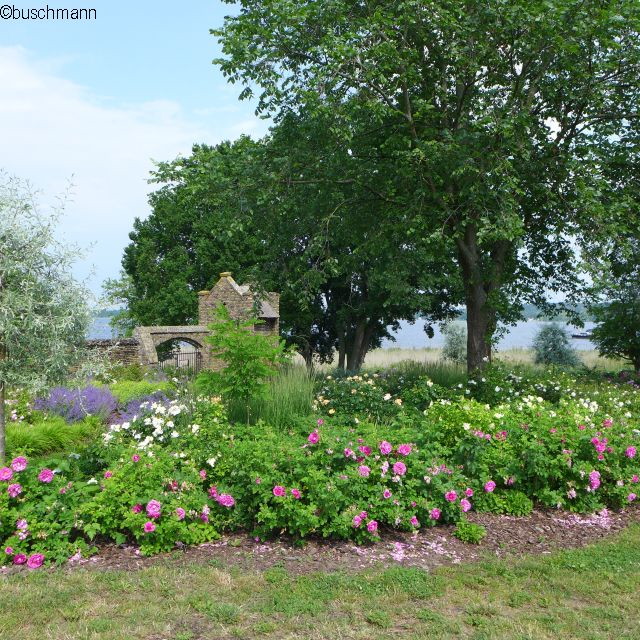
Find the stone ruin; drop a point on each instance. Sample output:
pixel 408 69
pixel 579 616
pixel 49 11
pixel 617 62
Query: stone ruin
pixel 241 302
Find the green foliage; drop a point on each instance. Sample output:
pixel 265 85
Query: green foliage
pixel 469 532
pixel 552 345
pixel 510 502
pixel 172 483
pixel 454 146
pixel 44 313
pixel 127 390
pixel 250 358
pixel 48 435
pixel 617 334
pixel 455 343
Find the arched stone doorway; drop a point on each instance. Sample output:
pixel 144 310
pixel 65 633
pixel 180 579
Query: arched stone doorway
pixel 180 353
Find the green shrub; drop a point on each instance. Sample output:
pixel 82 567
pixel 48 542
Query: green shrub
pixel 250 359
pixel 50 435
pixel 127 390
pixel 552 345
pixel 469 532
pixel 455 343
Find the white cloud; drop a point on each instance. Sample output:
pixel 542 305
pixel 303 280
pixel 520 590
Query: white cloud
pixel 53 130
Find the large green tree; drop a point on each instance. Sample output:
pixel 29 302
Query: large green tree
pixel 295 213
pixel 499 116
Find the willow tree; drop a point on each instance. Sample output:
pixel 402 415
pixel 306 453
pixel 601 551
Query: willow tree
pixel 500 114
pixel 44 314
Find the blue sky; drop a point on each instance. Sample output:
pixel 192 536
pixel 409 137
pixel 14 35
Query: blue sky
pixel 93 102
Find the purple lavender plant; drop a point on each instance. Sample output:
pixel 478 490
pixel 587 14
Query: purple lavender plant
pixel 76 404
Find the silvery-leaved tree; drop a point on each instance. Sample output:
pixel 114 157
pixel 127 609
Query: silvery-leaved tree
pixel 44 312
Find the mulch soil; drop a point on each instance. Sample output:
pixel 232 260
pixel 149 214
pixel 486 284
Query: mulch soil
pixel 539 533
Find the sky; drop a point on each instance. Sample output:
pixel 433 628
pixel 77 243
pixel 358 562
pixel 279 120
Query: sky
pixel 87 106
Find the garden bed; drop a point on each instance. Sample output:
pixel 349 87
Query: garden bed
pixel 542 532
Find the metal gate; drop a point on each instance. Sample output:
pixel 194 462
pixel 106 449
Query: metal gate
pixel 182 360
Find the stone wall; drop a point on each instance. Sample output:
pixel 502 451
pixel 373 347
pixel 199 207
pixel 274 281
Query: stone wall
pixel 118 350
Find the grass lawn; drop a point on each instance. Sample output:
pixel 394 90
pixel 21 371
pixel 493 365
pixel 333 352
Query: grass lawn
pixel 582 594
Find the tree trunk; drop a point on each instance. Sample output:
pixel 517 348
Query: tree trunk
pixel 342 348
pixel 2 425
pixel 354 354
pixel 478 285
pixel 360 346
pixel 479 328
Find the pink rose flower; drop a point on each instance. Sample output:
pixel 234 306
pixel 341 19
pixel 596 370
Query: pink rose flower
pixel 320 422
pixel 399 468
pixel 364 449
pixel 149 527
pixel 468 492
pixel 19 558
pixel 108 474
pixel 226 500
pixel 6 474
pixel 349 453
pixel 451 496
pixel 631 497
pixel 137 508
pixel 19 464
pixel 135 457
pixel 180 513
pixel 35 561
pixel 404 449
pixel 279 491
pixel 414 521
pixel 465 504
pixel 8 550
pixel 153 509
pixel 386 493
pixel 489 486
pixel 385 448
pixel 364 471
pixel 203 474
pixel 14 490
pixel 213 491
pixel 314 437
pixel 571 494
pixel 21 524
pixel 594 480
pixel 356 522
pixel 46 475
pixel 434 514
pixel 608 422
pixel 372 526
pixel 635 478
pixel 581 427
pixel 630 452
pixel 296 494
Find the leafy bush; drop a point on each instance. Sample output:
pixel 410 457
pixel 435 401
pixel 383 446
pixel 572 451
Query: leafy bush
pixel 469 532
pixel 358 397
pixel 76 404
pixel 552 345
pixel 250 359
pixel 455 343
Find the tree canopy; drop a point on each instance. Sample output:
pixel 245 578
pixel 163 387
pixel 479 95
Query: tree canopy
pixel 499 117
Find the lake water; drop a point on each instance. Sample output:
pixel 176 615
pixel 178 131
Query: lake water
pixel 413 336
